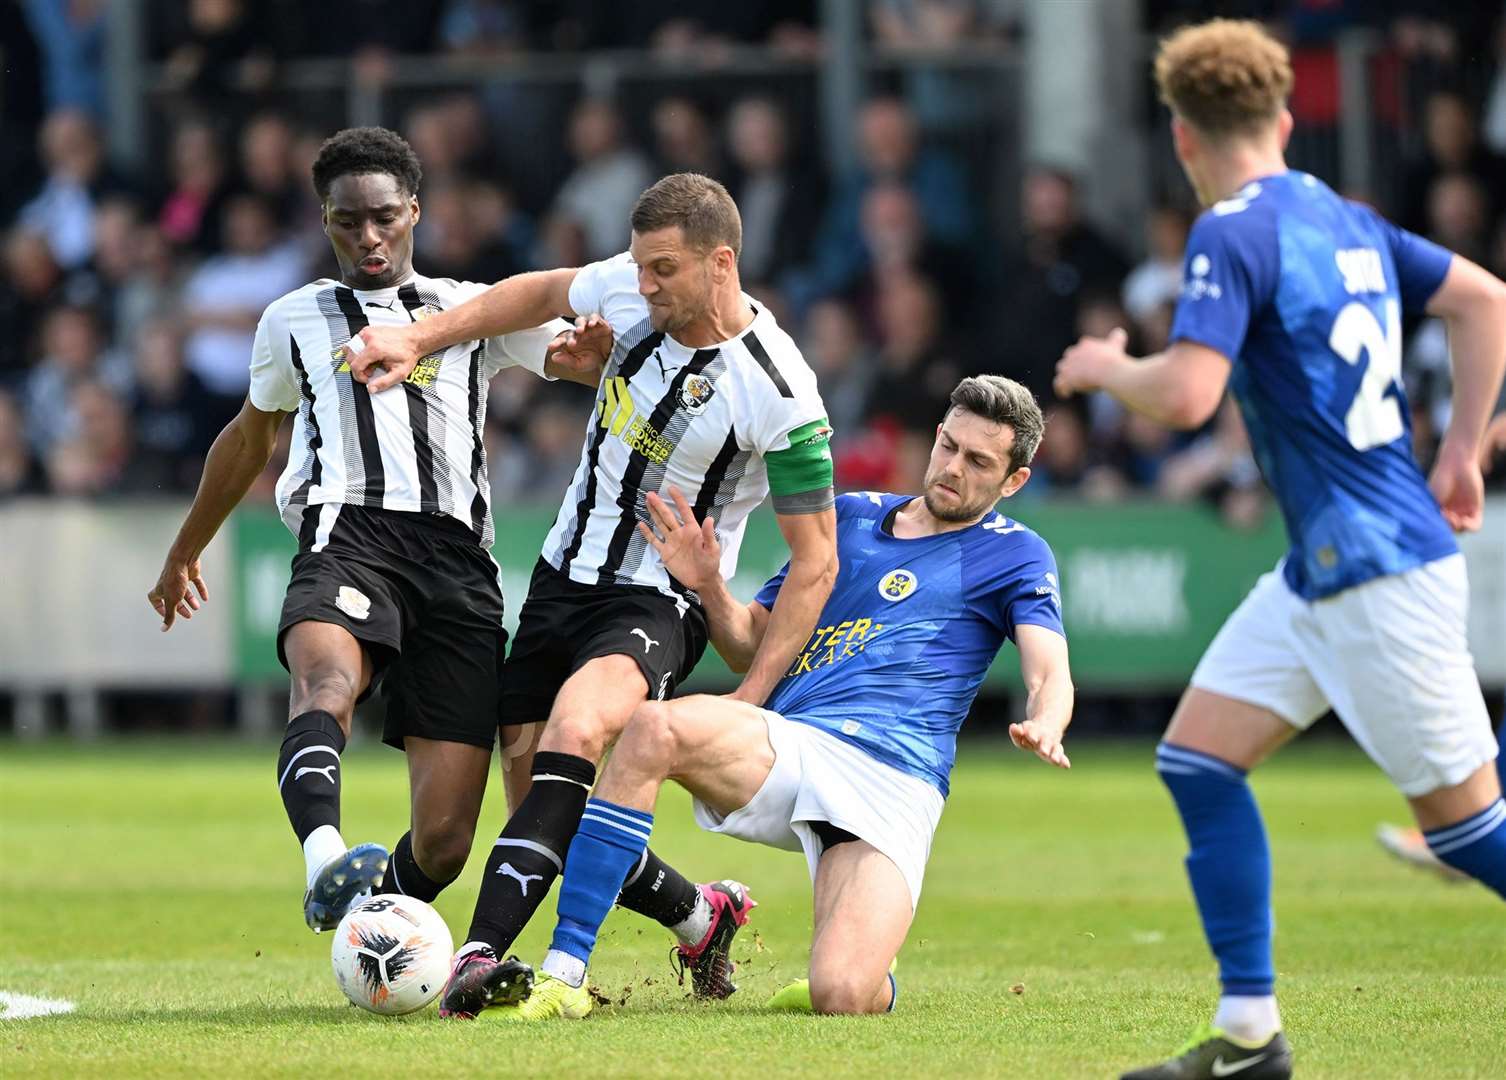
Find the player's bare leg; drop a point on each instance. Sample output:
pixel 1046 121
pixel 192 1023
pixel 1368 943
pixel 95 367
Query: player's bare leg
pixel 862 914
pixel 446 782
pixel 329 670
pixel 716 748
pixel 1212 742
pixel 589 712
pixel 516 745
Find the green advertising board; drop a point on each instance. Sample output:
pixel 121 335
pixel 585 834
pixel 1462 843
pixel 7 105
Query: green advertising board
pixel 1144 585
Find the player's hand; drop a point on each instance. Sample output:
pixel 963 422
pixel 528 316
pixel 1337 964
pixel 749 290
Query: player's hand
pixel 1086 365
pixel 689 549
pixel 382 356
pixel 173 595
pixel 1043 741
pixel 1459 487
pixel 584 349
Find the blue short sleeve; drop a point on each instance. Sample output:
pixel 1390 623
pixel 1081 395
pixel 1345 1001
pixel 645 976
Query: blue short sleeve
pixel 1228 274
pixel 1421 265
pixel 1034 597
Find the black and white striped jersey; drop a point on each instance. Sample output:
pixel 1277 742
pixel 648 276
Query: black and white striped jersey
pixel 669 415
pixel 415 447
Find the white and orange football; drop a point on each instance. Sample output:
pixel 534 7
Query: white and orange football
pixel 392 954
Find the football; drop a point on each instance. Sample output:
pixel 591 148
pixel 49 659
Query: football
pixel 392 954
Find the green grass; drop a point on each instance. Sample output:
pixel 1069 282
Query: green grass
pixel 157 885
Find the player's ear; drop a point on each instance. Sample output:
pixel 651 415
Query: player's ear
pixel 413 207
pixel 324 217
pixel 1284 124
pixel 1014 481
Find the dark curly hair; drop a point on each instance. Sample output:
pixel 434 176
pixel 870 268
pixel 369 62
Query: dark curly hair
pixel 366 150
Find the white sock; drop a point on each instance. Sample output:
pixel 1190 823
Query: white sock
pixel 694 926
pixel 564 967
pixel 323 844
pixel 1250 1019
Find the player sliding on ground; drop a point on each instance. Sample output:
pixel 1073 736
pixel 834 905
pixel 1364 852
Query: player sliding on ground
pixel 1293 297
pixel 389 500
pixel 703 391
pixel 850 760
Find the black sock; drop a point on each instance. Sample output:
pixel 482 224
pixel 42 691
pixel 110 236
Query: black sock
pixel 406 877
pixel 530 853
pixel 308 771
pixel 659 891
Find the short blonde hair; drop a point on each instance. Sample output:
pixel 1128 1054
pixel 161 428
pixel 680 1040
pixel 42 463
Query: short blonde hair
pixel 1224 76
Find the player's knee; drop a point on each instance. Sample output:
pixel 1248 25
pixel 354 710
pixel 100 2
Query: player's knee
pixel 843 994
pixel 582 733
pixel 331 689
pixel 441 847
pixel 649 739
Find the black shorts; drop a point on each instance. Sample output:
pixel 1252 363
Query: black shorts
pixel 421 594
pixel 564 624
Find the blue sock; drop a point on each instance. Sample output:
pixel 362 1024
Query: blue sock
pixel 1501 755
pixel 610 842
pixel 1476 845
pixel 1229 864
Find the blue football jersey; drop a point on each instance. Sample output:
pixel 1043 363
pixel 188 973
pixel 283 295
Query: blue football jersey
pixel 1304 291
pixel 910 628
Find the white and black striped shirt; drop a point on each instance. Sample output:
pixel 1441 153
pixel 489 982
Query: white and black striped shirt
pixel 417 447
pixel 667 414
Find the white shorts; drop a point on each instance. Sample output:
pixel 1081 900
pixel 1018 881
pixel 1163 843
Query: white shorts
pixel 1389 656
pixel 818 777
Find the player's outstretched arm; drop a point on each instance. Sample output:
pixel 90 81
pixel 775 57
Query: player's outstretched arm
pixel 692 554
pixel 1472 303
pixel 235 461
pixel 1179 388
pixel 807 585
pixel 1048 680
pixel 389 353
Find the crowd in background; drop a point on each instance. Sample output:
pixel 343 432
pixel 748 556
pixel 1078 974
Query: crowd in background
pixel 128 302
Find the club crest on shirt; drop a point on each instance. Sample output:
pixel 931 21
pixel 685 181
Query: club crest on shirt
pixel 897 584
pixel 696 393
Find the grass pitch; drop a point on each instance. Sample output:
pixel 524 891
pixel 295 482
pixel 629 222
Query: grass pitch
pixel 156 885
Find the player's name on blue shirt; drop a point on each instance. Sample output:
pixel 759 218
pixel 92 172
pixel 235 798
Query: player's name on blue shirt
pixel 910 630
pixel 1304 291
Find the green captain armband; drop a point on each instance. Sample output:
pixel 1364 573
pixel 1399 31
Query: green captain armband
pixel 800 478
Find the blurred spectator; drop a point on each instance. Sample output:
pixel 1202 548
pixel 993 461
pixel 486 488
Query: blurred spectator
pixel 472 232
pixel 683 139
pixel 1157 280
pixel 19 472
pixel 167 408
pixel 484 26
pixel 1061 259
pixel 889 152
pixel 71 34
pixel 844 363
pixel 1457 214
pixel 190 214
pixel 607 180
pixel 1219 468
pixel 227 294
pixel 33 283
pixel 895 240
pixel 73 353
pixel 779 203
pixel 223 44
pixel 916 369
pixel 539 462
pixel 100 456
pixel 63 210
pixel 1451 144
pixel 266 166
